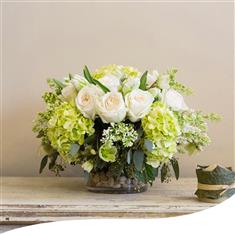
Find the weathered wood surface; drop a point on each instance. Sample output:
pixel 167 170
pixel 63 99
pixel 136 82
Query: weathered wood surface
pixel 29 200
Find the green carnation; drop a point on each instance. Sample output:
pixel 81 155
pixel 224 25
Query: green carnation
pixel 68 126
pixel 162 129
pixel 107 152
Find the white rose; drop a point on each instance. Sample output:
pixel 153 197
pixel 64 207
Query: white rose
pixel 111 82
pixel 138 104
pixel 163 82
pixel 69 92
pixel 85 100
pixel 111 107
pixel 130 84
pixel 79 81
pixel 175 100
pixel 151 78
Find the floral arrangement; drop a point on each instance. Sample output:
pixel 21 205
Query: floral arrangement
pixel 120 121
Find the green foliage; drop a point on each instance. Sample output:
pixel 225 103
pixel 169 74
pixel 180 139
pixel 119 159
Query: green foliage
pixel 175 167
pixel 43 163
pixel 138 159
pixel 194 131
pixel 74 149
pixel 56 85
pixel 143 81
pixel 89 78
pixel 176 85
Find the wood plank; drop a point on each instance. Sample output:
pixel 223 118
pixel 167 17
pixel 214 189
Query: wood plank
pixel 29 200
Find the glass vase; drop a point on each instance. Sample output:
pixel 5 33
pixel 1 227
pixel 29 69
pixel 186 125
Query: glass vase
pixel 100 182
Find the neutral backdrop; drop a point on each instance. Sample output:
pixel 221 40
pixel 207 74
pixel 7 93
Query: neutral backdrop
pixel 42 40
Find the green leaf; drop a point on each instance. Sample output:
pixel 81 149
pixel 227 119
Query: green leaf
pixel 138 159
pixel 148 145
pixel 128 156
pixel 74 149
pixel 143 81
pixel 40 134
pixel 150 173
pixel 90 139
pixel 53 158
pixel 164 172
pixel 91 80
pixel 104 88
pixel 140 176
pixel 58 83
pixel 87 75
pixel 70 76
pixel 43 163
pixel 175 167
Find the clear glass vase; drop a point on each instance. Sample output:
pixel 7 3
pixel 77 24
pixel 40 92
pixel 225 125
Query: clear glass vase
pixel 102 183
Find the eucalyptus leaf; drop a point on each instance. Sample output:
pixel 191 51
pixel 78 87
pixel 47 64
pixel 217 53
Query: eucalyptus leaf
pixel 148 145
pixel 53 158
pixel 164 172
pixel 128 156
pixel 74 149
pixel 43 163
pixel 175 166
pixel 143 81
pixel 138 159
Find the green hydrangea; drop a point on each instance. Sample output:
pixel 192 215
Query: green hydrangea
pixel 116 70
pixel 66 127
pixel 161 128
pixel 108 152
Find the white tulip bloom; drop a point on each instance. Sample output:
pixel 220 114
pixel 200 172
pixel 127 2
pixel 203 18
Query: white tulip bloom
pixel 151 78
pixel 111 82
pixel 138 103
pixel 79 81
pixel 130 84
pixel 69 92
pixel 111 107
pixel 175 100
pixel 163 82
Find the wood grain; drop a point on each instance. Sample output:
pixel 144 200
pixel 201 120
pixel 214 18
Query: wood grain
pixel 29 200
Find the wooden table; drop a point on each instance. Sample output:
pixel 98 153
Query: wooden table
pixel 30 200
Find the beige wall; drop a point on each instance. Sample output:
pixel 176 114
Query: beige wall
pixel 41 40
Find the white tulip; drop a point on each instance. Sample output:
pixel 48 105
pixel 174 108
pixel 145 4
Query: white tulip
pixel 111 107
pixel 111 82
pixel 156 92
pixel 138 103
pixel 163 82
pixel 85 100
pixel 79 81
pixel 175 100
pixel 151 78
pixel 69 92
pixel 130 84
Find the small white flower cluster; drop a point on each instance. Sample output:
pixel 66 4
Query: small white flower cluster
pixel 122 132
